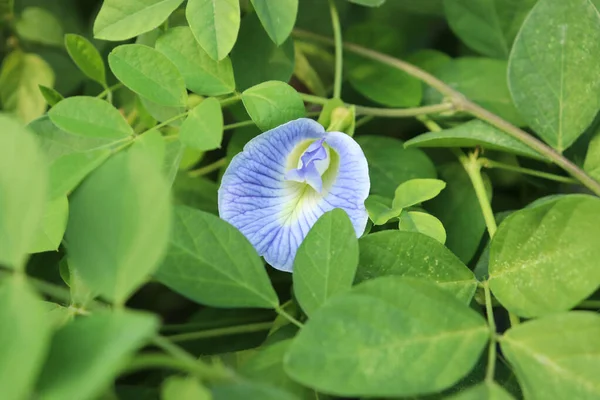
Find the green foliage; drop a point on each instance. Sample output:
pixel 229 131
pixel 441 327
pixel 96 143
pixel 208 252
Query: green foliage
pixel 272 103
pixel 277 17
pixel 203 128
pixel 86 57
pixel 215 24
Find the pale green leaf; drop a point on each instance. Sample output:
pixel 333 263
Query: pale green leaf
pixel 148 73
pixel 388 336
pixel 277 17
pixel 556 357
pixel 90 116
pixel 121 20
pixel 86 57
pixel 211 262
pixel 179 388
pixel 487 26
pixel 25 335
pixel 20 76
pixel 416 191
pixel 38 25
pixel 119 224
pixel 202 74
pixel 414 255
pixel 427 224
pixel 215 25
pixel 87 354
pixel 23 182
pixel 474 133
pixel 52 227
pixel 68 171
pixel 326 261
pixel 390 164
pixel 380 209
pixel 544 259
pixel 273 103
pixel 203 128
pixel 554 70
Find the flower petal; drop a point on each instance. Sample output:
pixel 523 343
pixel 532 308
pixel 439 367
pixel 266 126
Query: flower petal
pixel 276 213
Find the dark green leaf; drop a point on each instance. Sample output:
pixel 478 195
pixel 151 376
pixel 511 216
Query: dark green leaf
pixel 87 354
pixel 474 133
pixel 90 116
pixel 273 103
pixel 121 20
pixel 23 182
pixel 257 59
pixel 386 85
pixel 203 128
pixel 25 335
pixel 212 263
pixel 414 255
pixel 277 17
pixel 249 391
pixel 215 24
pixel 544 259
pixel 554 71
pixel 368 3
pixel 86 57
pixel 556 357
pixel 376 330
pixel 326 261
pixel 51 96
pixel 202 74
pixel 119 224
pixel 148 73
pixel 390 164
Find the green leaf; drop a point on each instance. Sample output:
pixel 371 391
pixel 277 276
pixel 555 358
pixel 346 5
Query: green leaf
pixel 212 263
pixel 68 171
pixel 532 250
pixel 23 183
pixel 326 261
pixel 119 224
pixel 162 113
pixel 554 70
pixel 243 390
pixel 148 73
pixel 483 391
pixel 474 133
pixel 556 357
pixel 416 191
pixel 277 17
pixel 458 209
pixel 88 354
pixel 39 26
pixel 53 225
pixel 51 96
pixel 199 193
pixel 380 209
pixel 20 77
pixel 203 128
pixel 385 84
pixel 390 164
pixel 427 224
pixel 86 57
pixel 90 116
pixel 215 25
pixel 122 20
pixel 376 330
pixel 25 335
pixel 6 8
pixel 179 388
pixel 368 3
pixel 592 158
pixel 414 255
pixel 256 59
pixel 201 73
pixel 487 26
pixel 273 103
pixel 482 80
pixel 307 74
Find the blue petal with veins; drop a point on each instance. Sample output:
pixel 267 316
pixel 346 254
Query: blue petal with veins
pixel 285 179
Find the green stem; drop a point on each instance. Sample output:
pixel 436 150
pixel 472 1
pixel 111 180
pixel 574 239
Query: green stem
pixel 201 368
pixel 310 98
pixel 236 125
pixel 590 304
pixel 230 330
pixel 491 365
pixel 461 103
pixel 487 163
pixel 287 316
pixel 108 91
pixel 208 168
pixel 513 319
pixel 404 112
pixel 364 120
pixel 165 123
pixel 150 361
pixel 230 100
pixel 337 34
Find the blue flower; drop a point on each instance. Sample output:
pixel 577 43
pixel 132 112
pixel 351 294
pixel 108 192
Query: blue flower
pixel 285 179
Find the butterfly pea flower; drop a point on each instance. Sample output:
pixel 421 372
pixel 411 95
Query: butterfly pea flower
pixel 285 179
